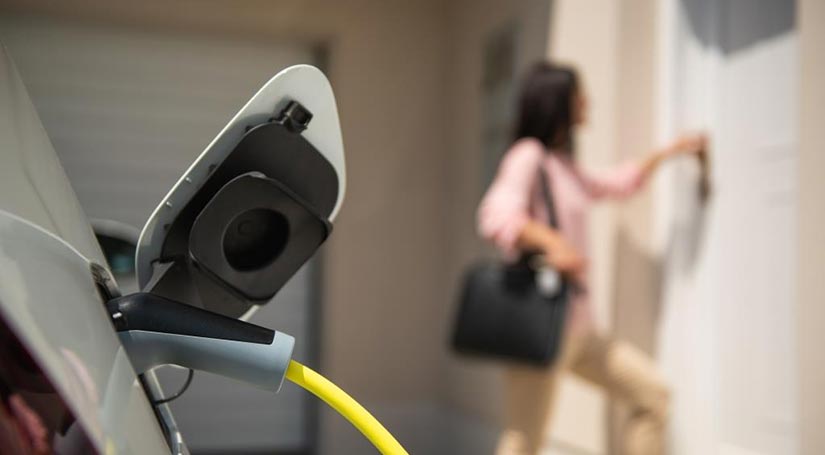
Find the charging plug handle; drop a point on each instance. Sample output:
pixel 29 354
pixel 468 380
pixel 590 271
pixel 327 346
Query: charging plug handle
pixel 158 331
pixel 151 312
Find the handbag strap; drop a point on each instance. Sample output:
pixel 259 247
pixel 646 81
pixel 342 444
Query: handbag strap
pixel 575 287
pixel 547 194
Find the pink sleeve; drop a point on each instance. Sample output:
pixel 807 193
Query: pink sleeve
pixel 619 182
pixel 505 208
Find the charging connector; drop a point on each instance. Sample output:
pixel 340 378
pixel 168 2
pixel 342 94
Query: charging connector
pixel 157 331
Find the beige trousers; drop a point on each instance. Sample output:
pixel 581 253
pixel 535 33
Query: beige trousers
pixel 622 370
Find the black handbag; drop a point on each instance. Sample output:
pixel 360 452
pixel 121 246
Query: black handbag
pixel 502 312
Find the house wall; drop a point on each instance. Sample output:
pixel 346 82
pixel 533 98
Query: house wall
pixel 472 394
pixel 811 224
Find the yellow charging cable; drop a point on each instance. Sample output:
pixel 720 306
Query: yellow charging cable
pixel 346 406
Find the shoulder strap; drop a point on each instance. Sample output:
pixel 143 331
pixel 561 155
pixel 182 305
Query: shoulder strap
pixel 544 182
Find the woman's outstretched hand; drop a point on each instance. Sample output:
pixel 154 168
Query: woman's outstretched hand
pixel 689 144
pixel 694 144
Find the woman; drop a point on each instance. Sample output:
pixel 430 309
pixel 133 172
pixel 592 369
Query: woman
pixel 513 216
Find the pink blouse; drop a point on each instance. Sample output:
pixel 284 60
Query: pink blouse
pixel 514 197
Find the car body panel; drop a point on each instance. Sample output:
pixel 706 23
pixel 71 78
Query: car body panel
pixel 49 297
pixel 47 290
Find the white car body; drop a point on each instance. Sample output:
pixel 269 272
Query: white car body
pixel 48 294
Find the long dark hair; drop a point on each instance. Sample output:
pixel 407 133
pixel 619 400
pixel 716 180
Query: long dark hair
pixel 545 106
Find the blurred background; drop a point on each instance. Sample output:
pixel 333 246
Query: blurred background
pixel 726 293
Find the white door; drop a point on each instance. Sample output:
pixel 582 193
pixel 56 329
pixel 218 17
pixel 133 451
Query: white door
pixel 127 110
pixel 726 341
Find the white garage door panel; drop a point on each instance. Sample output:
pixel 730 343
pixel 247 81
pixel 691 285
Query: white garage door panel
pixel 127 110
